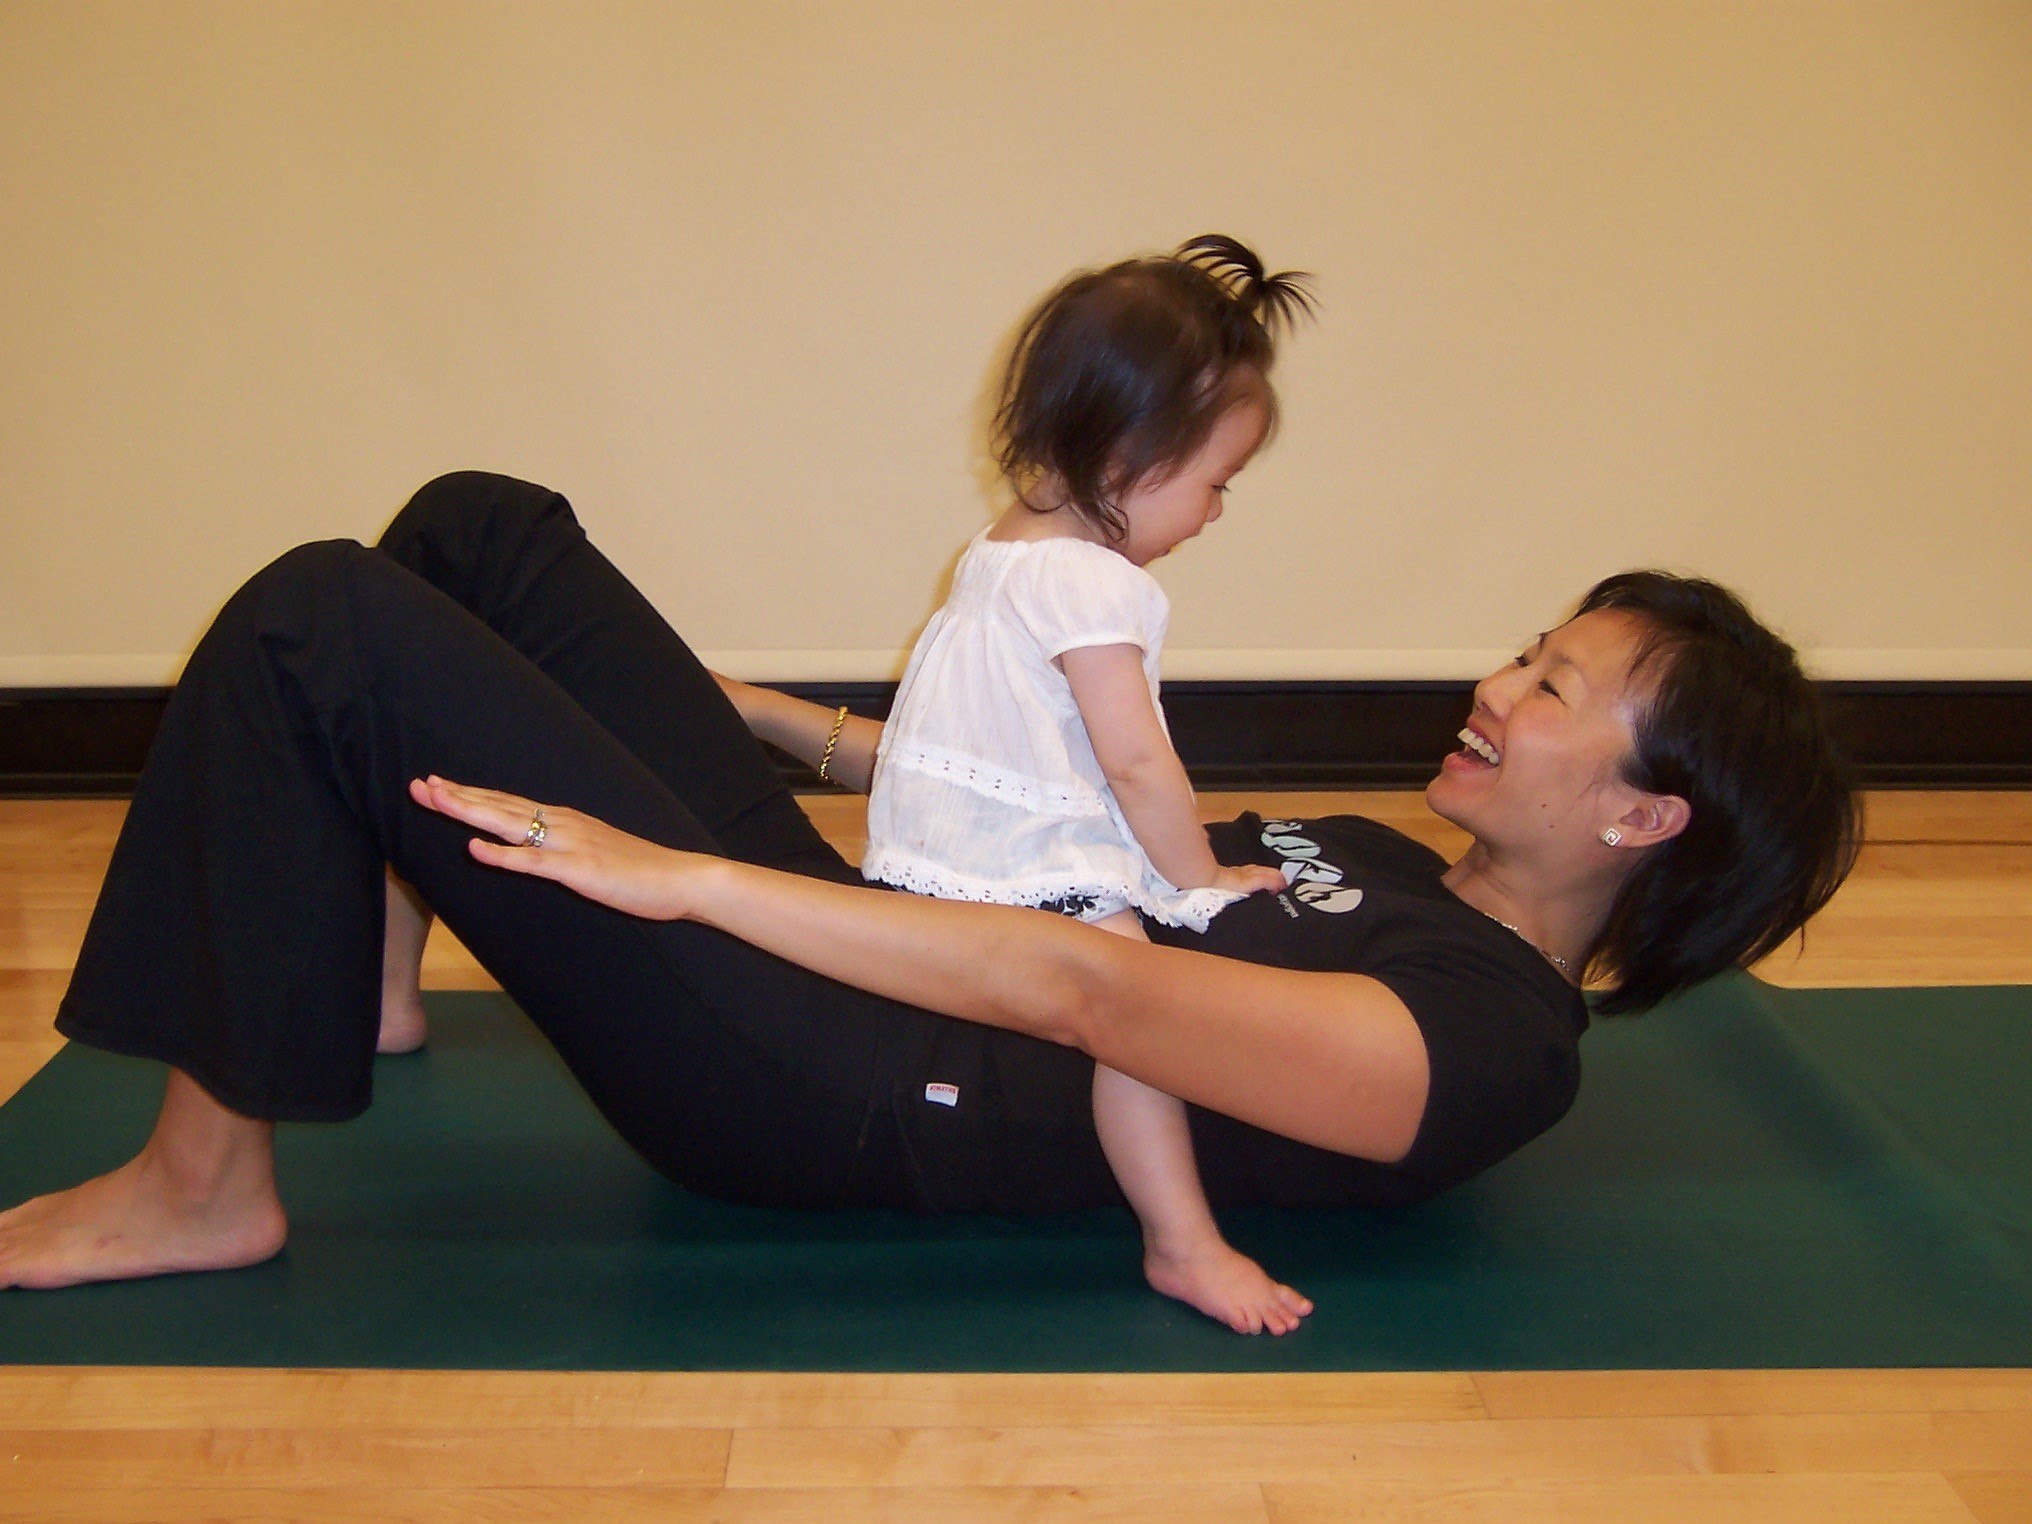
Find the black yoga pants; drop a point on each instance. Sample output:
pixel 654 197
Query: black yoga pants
pixel 238 935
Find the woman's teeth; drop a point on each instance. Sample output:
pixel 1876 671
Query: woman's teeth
pixel 1479 747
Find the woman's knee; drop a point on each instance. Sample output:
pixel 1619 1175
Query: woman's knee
pixel 446 528
pixel 333 613
pixel 314 568
pixel 298 600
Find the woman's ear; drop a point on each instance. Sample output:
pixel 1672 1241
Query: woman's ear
pixel 1652 819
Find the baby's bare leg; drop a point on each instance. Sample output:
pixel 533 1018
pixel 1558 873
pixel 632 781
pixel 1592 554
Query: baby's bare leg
pixel 1149 1146
pixel 402 1020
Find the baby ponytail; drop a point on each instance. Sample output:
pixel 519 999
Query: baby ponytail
pixel 1276 301
pixel 1120 375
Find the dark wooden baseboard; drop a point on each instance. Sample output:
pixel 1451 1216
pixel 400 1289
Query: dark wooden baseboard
pixel 1232 735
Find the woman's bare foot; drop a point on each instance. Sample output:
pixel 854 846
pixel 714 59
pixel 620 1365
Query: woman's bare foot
pixel 1226 1285
pixel 199 1196
pixel 403 1027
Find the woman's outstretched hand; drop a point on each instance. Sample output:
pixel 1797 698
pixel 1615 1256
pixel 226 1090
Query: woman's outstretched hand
pixel 584 854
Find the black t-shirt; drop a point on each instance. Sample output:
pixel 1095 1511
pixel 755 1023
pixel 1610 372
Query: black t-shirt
pixel 1501 1026
pixel 996 1120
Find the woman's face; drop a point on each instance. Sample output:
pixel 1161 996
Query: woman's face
pixel 1541 762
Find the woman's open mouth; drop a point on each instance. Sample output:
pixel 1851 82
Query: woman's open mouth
pixel 1476 750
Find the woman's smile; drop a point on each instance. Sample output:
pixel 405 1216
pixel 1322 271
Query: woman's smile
pixel 1476 749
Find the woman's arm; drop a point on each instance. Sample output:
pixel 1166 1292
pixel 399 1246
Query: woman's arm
pixel 1329 1059
pixel 802 729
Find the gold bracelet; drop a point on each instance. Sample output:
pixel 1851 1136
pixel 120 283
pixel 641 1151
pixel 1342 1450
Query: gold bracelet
pixel 826 761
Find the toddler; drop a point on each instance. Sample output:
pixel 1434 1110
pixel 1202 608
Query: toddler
pixel 1026 760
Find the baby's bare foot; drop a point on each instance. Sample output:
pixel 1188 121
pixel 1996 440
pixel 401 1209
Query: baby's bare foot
pixel 403 1027
pixel 1227 1286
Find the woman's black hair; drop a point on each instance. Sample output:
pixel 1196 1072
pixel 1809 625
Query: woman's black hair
pixel 1730 724
pixel 1121 374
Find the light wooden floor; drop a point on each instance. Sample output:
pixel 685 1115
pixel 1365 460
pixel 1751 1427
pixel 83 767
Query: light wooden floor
pixel 1943 896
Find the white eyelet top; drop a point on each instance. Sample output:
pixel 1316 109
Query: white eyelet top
pixel 986 786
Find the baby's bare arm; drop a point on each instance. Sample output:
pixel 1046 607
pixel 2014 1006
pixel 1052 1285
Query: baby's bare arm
pixel 1148 779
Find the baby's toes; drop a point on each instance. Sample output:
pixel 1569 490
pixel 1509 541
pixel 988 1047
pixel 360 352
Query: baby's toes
pixel 1292 1302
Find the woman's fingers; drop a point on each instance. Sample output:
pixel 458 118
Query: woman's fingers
pixel 580 852
pixel 490 796
pixel 506 815
pixel 502 814
pixel 498 854
pixel 484 798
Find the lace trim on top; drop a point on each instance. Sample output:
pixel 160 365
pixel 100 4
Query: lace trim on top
pixel 1072 800
pixel 933 882
pixel 1190 908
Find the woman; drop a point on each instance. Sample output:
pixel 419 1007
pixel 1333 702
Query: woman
pixel 1650 789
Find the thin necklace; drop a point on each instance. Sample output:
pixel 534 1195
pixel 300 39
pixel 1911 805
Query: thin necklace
pixel 1550 957
pixel 1553 958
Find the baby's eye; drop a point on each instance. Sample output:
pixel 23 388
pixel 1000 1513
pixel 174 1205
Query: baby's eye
pixel 1548 688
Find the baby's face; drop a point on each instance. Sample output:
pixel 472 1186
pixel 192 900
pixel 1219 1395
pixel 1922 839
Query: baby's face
pixel 1163 514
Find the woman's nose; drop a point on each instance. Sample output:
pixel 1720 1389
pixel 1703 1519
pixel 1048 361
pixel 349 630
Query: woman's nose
pixel 1495 692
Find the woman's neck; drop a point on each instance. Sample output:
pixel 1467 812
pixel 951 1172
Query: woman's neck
pixel 1558 914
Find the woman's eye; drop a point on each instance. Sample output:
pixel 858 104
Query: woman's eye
pixel 1520 660
pixel 1548 688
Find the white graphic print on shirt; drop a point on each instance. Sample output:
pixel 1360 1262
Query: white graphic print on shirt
pixel 1314 881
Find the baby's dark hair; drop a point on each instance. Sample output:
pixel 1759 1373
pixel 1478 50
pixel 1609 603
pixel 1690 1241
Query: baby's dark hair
pixel 1121 374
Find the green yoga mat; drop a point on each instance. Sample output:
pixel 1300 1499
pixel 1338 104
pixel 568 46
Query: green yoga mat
pixel 1753 1177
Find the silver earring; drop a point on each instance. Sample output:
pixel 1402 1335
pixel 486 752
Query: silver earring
pixel 1611 836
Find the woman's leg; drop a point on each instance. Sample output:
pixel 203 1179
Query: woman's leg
pixel 238 934
pixel 403 1023
pixel 513 555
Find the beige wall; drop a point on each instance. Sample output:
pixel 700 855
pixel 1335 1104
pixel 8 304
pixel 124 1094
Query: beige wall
pixel 1737 288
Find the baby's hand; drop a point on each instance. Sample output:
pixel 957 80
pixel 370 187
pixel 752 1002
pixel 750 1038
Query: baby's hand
pixel 1250 878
